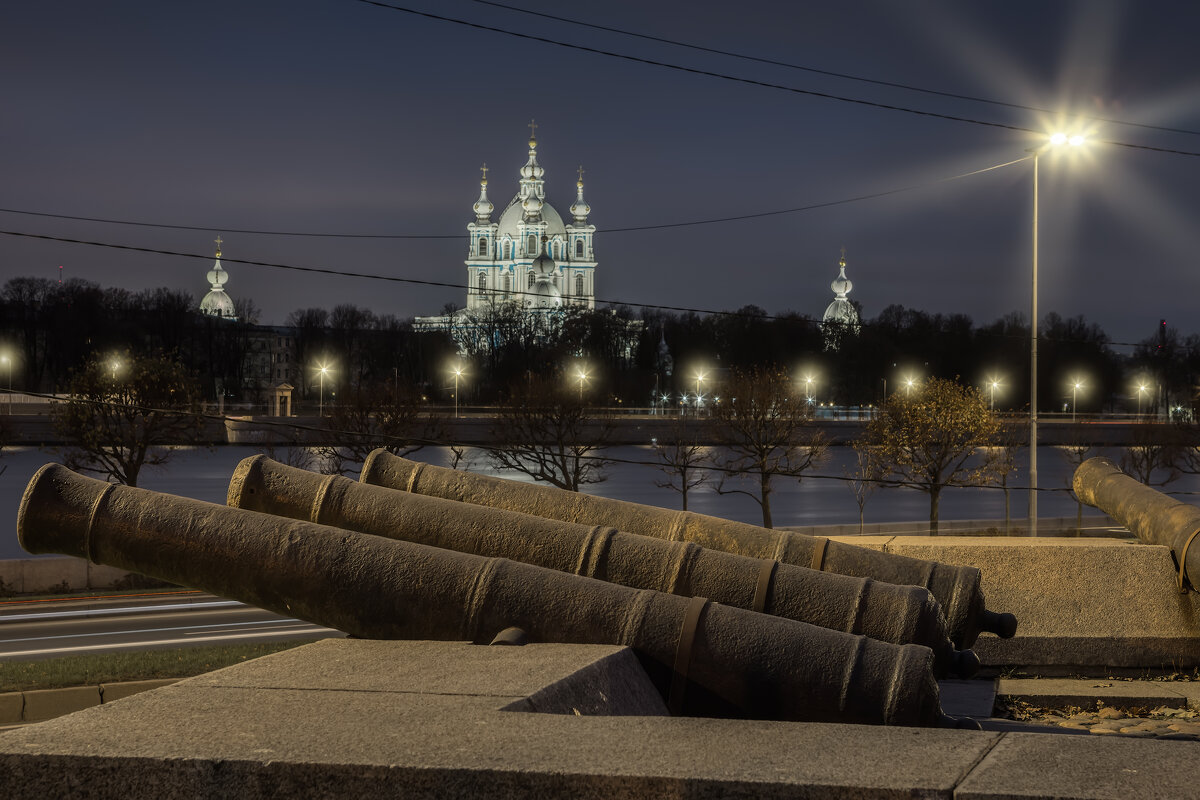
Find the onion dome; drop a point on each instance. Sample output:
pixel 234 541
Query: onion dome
pixel 841 284
pixel 543 265
pixel 545 293
pixel 580 209
pixel 532 169
pixel 216 302
pixel 483 207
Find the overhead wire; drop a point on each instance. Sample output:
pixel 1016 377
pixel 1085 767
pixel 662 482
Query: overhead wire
pixel 824 72
pixel 460 236
pixel 750 81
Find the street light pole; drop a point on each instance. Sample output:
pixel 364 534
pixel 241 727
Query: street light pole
pixel 1033 337
pixel 457 375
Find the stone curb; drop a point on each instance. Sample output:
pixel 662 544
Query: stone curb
pixel 39 705
pixel 1090 694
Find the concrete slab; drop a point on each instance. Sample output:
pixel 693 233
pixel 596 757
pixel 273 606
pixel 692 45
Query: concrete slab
pixel 255 730
pixel 1026 765
pixel 1079 602
pixel 1089 694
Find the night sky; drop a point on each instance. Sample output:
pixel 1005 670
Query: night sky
pixel 337 116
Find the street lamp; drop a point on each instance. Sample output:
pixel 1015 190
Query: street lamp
pixel 582 375
pixel 908 384
pixel 1141 391
pixel 458 373
pixel 993 384
pixel 1054 141
pixel 322 371
pixel 699 377
pixel 1075 387
pixel 808 382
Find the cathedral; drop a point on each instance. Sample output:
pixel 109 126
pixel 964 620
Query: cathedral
pixel 502 260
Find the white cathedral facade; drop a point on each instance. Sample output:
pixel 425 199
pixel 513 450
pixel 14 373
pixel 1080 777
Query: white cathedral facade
pixel 500 259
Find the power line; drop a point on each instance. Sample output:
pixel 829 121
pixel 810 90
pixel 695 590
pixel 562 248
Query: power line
pixel 825 72
pixel 749 81
pixel 627 229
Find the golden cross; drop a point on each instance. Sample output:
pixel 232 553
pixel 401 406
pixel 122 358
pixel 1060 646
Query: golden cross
pixel 484 168
pixel 532 129
pixel 218 241
pixel 843 252
pixel 581 173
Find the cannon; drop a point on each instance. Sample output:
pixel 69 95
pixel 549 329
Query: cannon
pixel 1150 515
pixel 706 658
pixel 956 588
pixel 890 613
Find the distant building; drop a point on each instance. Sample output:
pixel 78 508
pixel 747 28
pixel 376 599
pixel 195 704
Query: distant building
pixel 528 261
pixel 217 303
pixel 840 317
pixel 500 258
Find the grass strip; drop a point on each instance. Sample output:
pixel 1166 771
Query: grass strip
pixel 88 670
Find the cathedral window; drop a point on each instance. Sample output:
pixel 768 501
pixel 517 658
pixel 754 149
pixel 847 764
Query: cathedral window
pixel 507 283
pixel 579 248
pixel 529 282
pixel 531 244
pixel 507 250
pixel 482 282
pixel 579 285
pixel 483 247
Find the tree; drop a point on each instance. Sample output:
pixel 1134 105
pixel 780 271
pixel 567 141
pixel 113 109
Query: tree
pixel 545 432
pixel 1010 439
pixel 763 425
pixel 122 414
pixel 1155 451
pixel 863 478
pixel 929 440
pixel 682 458
pixel 378 416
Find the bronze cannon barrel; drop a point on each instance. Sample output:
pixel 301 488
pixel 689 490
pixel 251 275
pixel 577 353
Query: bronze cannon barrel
pixel 707 658
pixel 1150 515
pixel 956 588
pixel 890 613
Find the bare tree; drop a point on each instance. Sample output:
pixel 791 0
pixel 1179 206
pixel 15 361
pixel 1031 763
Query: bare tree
pixel 1155 457
pixel 864 477
pixel 764 428
pixel 122 414
pixel 380 415
pixel 545 432
pixel 683 459
pixel 933 438
pixel 1010 439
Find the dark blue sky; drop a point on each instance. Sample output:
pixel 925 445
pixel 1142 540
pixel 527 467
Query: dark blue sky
pixel 337 116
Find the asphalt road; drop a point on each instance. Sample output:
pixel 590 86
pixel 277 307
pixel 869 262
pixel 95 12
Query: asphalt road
pixel 39 629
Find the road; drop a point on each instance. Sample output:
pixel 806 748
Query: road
pixel 47 628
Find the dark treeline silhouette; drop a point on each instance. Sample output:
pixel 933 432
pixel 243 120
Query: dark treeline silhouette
pixel 50 330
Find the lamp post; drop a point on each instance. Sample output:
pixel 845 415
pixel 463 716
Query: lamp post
pixel 1141 391
pixel 1053 141
pixel 582 375
pixel 908 384
pixel 322 370
pixel 699 377
pixel 458 371
pixel 808 381
pixel 993 384
pixel 1075 387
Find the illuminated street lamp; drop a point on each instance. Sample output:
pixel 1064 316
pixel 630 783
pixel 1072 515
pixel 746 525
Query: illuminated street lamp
pixel 1075 387
pixel 808 382
pixel 458 373
pixel 993 384
pixel 908 384
pixel 322 371
pixel 1054 141
pixel 1141 391
pixel 700 374
pixel 115 365
pixel 582 375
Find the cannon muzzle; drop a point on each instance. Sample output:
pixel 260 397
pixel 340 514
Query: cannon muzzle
pixel 1150 515
pixel 708 659
pixel 890 613
pixel 956 588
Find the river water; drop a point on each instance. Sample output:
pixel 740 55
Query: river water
pixel 203 473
